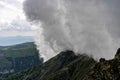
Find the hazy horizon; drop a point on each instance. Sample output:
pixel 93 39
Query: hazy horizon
pixel 8 41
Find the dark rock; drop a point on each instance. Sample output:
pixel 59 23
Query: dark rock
pixel 117 56
pixel 102 60
pixel 106 69
pixel 118 52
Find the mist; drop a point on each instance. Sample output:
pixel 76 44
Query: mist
pixel 84 26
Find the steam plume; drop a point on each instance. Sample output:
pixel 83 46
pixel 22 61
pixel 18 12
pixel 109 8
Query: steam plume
pixel 84 26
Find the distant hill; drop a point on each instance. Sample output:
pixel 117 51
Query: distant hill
pixel 5 41
pixel 19 46
pixel 18 57
pixel 64 66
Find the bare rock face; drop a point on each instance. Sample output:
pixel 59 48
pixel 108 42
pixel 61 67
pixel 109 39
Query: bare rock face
pixel 106 69
pixel 117 56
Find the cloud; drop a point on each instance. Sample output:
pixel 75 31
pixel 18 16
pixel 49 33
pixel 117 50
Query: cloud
pixel 16 33
pixel 12 19
pixel 21 1
pixel 84 26
pixel 16 25
pixel 9 12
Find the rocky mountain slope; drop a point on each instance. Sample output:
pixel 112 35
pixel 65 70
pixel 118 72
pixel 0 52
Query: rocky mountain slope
pixel 64 66
pixel 106 69
pixel 68 66
pixel 17 58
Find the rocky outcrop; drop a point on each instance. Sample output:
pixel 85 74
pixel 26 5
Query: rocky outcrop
pixel 106 69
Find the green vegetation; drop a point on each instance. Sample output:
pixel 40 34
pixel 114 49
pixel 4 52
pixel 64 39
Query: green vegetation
pixel 4 64
pixel 19 46
pixel 17 58
pixel 19 52
pixel 64 66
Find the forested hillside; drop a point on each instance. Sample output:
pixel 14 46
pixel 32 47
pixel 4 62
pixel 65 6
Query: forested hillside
pixel 17 58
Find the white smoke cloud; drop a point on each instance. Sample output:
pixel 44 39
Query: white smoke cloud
pixel 84 26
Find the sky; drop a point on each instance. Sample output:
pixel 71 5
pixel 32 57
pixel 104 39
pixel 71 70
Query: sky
pixel 13 21
pixel 8 41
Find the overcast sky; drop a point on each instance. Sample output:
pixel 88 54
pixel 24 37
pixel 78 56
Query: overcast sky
pixel 12 19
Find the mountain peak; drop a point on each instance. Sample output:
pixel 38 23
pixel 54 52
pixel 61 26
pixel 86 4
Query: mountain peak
pixel 117 56
pixel 67 53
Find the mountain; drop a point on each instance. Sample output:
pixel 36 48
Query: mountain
pixel 68 66
pixel 5 41
pixel 17 58
pixel 64 66
pixel 106 69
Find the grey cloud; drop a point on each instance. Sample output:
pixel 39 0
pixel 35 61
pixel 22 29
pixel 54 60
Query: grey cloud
pixel 16 25
pixel 85 26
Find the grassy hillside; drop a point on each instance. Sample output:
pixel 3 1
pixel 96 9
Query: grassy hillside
pixel 18 57
pixel 20 50
pixel 64 66
pixel 18 46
